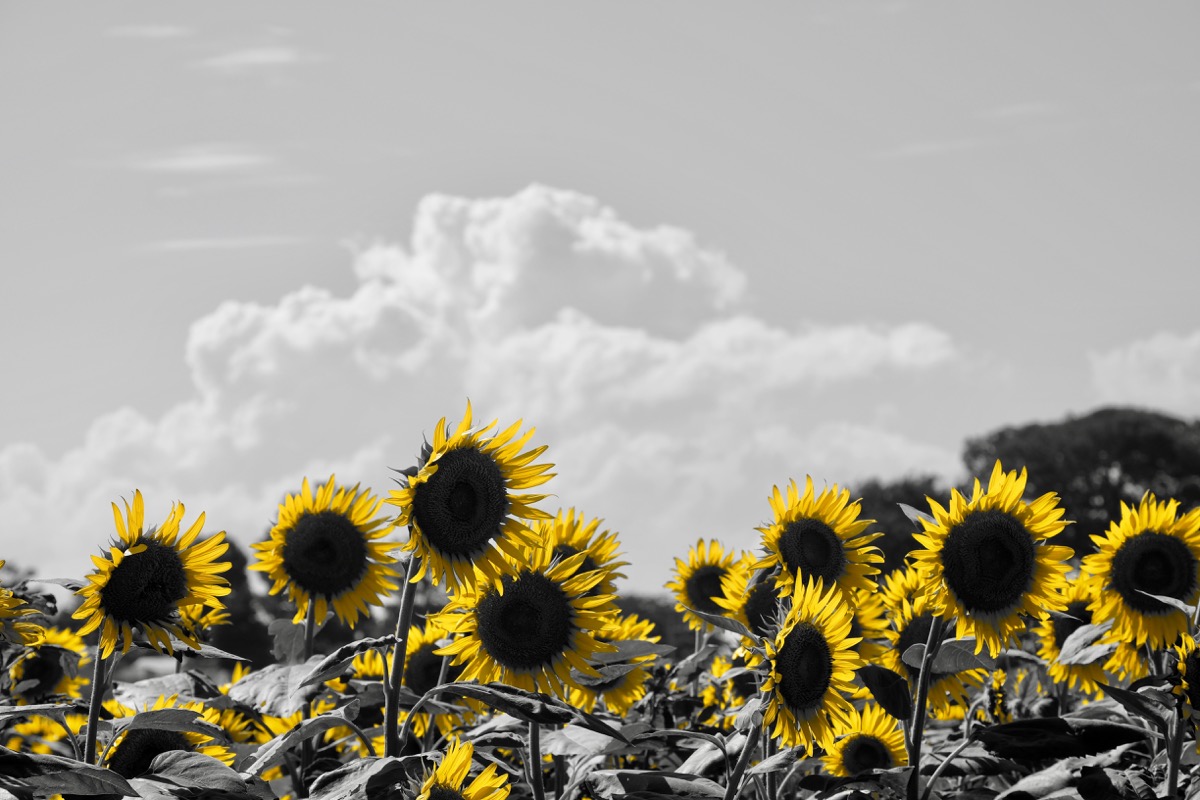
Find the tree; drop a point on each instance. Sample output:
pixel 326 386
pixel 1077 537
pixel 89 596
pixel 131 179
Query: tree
pixel 1096 462
pixel 881 502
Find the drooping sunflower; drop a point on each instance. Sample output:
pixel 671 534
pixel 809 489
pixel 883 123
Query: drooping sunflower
pixel 1187 667
pixel 1153 549
pixel 811 664
pixel 50 669
pixel 14 628
pixel 40 734
pixel 909 621
pixel 325 549
pixel 985 559
pixel 568 534
pixel 1054 630
pixel 697 583
pixel 133 749
pixel 200 620
pixel 446 781
pixel 819 537
pixel 873 741
pixel 531 625
pixel 148 576
pixel 460 502
pixel 752 598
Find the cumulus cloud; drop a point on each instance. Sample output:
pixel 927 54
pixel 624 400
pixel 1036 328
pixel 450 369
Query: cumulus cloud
pixel 669 408
pixel 1162 371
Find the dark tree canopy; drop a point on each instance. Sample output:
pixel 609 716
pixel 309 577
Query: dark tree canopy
pixel 1096 461
pixel 881 502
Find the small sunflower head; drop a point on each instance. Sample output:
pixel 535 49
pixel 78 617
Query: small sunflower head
pixel 50 668
pixel 570 533
pixel 16 627
pixel 873 741
pixel 449 780
pixel 698 582
pixel 752 597
pixel 134 749
pixel 1052 632
pixel 462 505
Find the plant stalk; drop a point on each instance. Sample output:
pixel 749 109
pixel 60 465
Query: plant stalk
pixel 99 686
pixel 306 752
pixel 535 761
pixel 735 780
pixel 933 643
pixel 393 741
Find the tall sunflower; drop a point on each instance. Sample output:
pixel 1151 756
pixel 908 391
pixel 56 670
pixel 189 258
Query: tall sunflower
pixel 325 549
pixel 811 665
pixel 1054 630
pixel 148 576
pixel 752 598
pixel 697 583
pixel 568 534
pixel 1152 549
pixel 446 781
pixel 50 668
pixel 872 741
pixel 819 537
pixel 985 559
pixel 530 625
pixel 460 502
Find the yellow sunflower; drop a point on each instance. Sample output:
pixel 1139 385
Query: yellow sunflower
pixel 148 577
pixel 1053 630
pixel 446 781
pixel 873 741
pixel 131 752
pixel 422 670
pixel 13 627
pixel 1187 665
pixel 730 683
pixel 819 537
pixel 50 668
pixel 531 625
pixel 697 583
pixel 200 620
pixel 631 628
pixel 568 534
pixel 1128 662
pixel 909 620
pixel 460 502
pixel 811 666
pixel 752 598
pixel 1152 549
pixel 325 549
pixel 40 734
pixel 985 560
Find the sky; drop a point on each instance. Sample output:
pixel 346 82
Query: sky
pixel 703 251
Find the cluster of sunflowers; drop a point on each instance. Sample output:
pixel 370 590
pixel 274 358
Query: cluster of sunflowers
pixel 989 653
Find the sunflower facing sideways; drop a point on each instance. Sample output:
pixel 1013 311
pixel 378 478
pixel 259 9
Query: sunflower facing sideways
pixel 134 749
pixel 325 549
pixel 568 534
pixel 751 598
pixel 446 781
pixel 1054 630
pixel 460 503
pixel 819 537
pixel 50 668
pixel 1152 550
pixel 698 582
pixel 985 559
pixel 148 576
pixel 873 741
pixel 811 665
pixel 530 626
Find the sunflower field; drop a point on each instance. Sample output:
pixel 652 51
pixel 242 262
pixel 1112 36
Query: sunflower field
pixel 992 664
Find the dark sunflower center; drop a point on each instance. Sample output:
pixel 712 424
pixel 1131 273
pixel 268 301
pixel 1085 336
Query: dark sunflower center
pixel 761 603
pixel 744 685
pixel 44 670
pixel 988 561
pixel 440 792
pixel 145 586
pixel 529 626
pixel 704 586
pixel 1156 563
pixel 463 505
pixel 133 755
pixel 916 632
pixel 805 667
pixel 1076 616
pixel 810 548
pixel 325 554
pixel 865 753
pixel 425 666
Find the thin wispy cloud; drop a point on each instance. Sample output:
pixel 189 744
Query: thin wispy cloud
pixel 1018 111
pixel 148 31
pixel 220 243
pixel 200 159
pixel 932 148
pixel 256 58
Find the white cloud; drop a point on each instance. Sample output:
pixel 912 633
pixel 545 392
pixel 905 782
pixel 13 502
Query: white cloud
pixel 669 409
pixel 256 58
pixel 148 31
pixel 1162 371
pixel 220 243
pixel 202 159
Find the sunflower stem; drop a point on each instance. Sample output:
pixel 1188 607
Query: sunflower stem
pixel 937 773
pixel 768 750
pixel 535 761
pixel 99 686
pixel 393 741
pixel 933 643
pixel 1174 754
pixel 306 753
pixel 735 780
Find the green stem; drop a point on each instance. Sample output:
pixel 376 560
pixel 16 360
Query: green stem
pixel 735 780
pixel 99 685
pixel 937 773
pixel 1174 754
pixel 306 751
pixel 393 741
pixel 933 643
pixel 768 750
pixel 535 761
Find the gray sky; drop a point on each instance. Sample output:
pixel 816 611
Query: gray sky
pixel 702 250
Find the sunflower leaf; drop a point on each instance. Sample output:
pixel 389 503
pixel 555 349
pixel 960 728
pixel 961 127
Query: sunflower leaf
pixel 1174 602
pixel 611 784
pixel 274 751
pixel 723 622
pixel 690 667
pixel 169 719
pixel 607 673
pixel 361 778
pixel 196 770
pixel 74 584
pixel 274 690
pixel 205 651
pixel 48 774
pixel 628 649
pixel 673 733
pixel 889 689
pixel 955 655
pixel 1081 644
pixel 1141 705
pixel 41 708
pixel 782 760
pixel 915 515
pixel 750 715
pixel 527 706
pixel 336 662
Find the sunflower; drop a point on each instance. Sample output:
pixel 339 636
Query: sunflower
pixel 621 684
pixel 568 534
pixel 909 621
pixel 50 668
pixel 811 665
pixel 133 749
pixel 751 598
pixel 38 734
pixel 148 576
pixel 697 583
pixel 12 628
pixel 460 505
pixel 446 781
pixel 985 560
pixel 531 625
pixel 1128 662
pixel 1152 549
pixel 819 537
pixel 730 684
pixel 873 741
pixel 1187 666
pixel 423 668
pixel 200 620
pixel 1053 630
pixel 630 628
pixel 324 549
